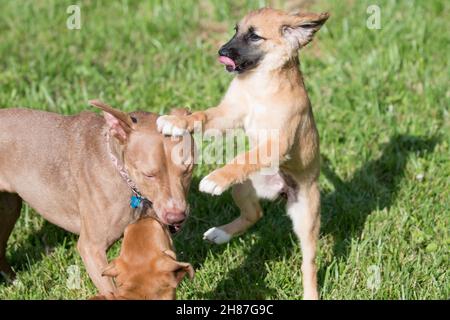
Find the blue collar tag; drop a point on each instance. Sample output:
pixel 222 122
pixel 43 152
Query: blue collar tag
pixel 135 202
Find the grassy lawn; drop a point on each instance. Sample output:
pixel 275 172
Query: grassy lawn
pixel 380 99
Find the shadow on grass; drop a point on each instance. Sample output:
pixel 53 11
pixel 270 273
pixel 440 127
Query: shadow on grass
pixel 271 239
pixel 373 186
pixel 344 212
pixel 33 247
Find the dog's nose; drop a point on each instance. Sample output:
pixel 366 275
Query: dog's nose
pixel 223 52
pixel 226 52
pixel 175 217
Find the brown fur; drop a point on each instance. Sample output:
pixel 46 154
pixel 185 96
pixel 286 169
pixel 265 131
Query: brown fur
pixel 270 96
pixel 146 268
pixel 60 166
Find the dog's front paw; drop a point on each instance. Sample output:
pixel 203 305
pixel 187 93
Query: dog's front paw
pixel 217 236
pixel 172 125
pixel 215 183
pixel 210 186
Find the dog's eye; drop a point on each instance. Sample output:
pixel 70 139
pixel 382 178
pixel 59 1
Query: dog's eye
pixel 254 37
pixel 150 175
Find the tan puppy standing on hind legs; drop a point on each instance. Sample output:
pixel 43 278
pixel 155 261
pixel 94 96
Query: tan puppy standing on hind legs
pixel 268 93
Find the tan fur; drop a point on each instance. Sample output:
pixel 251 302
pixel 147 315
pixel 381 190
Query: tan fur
pixel 60 166
pixel 146 268
pixel 271 96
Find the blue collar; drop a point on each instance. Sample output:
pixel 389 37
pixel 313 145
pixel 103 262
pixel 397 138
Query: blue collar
pixel 137 201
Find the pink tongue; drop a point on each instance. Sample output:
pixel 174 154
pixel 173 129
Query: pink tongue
pixel 227 62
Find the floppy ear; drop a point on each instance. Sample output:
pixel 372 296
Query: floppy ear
pixel 110 270
pixel 299 29
pixel 119 122
pixel 180 269
pixel 171 254
pixel 180 112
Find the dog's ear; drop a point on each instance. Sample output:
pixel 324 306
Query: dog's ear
pixel 299 29
pixel 180 112
pixel 119 122
pixel 110 270
pixel 179 269
pixel 171 254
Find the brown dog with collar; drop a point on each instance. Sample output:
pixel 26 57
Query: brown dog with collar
pixel 78 173
pixel 147 268
pixel 267 93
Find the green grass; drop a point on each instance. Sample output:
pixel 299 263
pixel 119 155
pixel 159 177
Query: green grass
pixel 380 99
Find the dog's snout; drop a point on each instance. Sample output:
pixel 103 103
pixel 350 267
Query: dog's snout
pixel 227 52
pixel 175 216
pixel 223 52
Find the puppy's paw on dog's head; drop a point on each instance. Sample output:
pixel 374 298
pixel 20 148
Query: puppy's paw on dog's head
pixel 208 185
pixel 215 183
pixel 171 125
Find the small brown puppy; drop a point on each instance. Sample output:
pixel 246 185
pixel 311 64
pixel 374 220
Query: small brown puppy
pixel 147 268
pixel 267 95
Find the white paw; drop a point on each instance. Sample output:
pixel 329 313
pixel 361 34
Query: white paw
pixel 209 186
pixel 217 236
pixel 166 127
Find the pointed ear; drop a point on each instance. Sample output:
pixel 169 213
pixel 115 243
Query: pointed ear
pixel 110 270
pixel 171 254
pixel 119 122
pixel 299 29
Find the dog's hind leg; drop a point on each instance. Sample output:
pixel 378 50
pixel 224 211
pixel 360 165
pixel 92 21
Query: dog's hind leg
pixel 245 197
pixel 10 206
pixel 304 210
